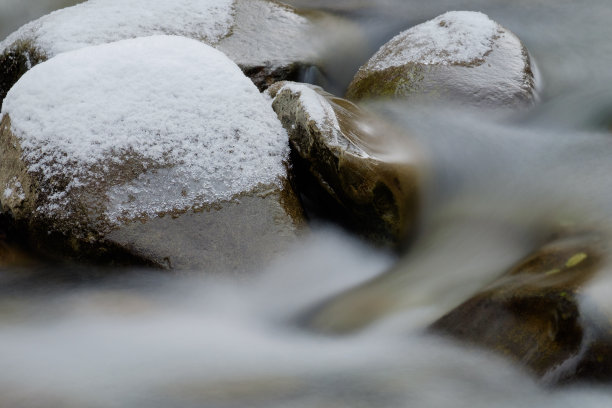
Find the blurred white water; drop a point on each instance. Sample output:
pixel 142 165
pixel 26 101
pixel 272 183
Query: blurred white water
pixel 15 13
pixel 499 183
pixel 221 342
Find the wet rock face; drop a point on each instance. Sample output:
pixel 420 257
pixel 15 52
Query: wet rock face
pixel 352 167
pixel 540 314
pixel 106 154
pixel 268 40
pixel 458 56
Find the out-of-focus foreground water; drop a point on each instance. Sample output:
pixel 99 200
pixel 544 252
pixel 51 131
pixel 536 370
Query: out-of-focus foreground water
pixel 15 13
pixel 498 182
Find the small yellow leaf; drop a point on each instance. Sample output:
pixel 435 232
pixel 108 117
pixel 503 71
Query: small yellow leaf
pixel 575 259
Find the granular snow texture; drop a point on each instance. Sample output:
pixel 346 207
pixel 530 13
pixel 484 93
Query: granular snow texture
pixel 181 109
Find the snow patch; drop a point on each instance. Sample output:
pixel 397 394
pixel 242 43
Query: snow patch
pixel 454 37
pixel 316 106
pixel 269 34
pixel 14 190
pixel 197 127
pixel 103 21
pixel 320 110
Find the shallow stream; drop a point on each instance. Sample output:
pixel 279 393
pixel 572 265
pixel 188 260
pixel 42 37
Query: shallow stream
pixel 497 183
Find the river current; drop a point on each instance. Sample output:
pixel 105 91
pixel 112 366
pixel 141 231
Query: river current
pixel 497 182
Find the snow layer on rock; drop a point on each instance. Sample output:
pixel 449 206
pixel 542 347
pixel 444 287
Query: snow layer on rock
pixel 316 106
pixel 181 108
pixel 319 109
pixel 14 189
pixel 269 34
pixel 455 37
pixel 102 21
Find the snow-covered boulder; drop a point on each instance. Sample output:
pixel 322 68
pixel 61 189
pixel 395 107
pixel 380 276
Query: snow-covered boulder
pixel 271 41
pixel 263 37
pixel 459 55
pixel 157 148
pixel 349 164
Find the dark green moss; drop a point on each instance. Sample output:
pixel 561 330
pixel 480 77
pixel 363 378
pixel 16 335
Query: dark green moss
pixel 388 83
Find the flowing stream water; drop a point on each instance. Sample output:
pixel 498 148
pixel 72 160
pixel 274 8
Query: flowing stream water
pixel 496 184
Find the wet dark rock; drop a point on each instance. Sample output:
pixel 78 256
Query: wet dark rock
pixel 458 56
pixel 349 165
pixel 542 314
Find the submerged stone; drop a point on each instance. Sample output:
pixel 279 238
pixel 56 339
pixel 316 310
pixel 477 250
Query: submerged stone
pixel 458 56
pixel 543 313
pixel 348 164
pixel 268 40
pixel 106 153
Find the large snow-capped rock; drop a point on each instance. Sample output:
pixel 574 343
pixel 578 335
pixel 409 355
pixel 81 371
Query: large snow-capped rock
pixel 349 164
pixel 264 38
pixel 157 147
pixel 459 55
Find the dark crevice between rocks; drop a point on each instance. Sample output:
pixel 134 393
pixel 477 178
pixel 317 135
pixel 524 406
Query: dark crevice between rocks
pixel 291 200
pixel 15 61
pixel 60 247
pixel 34 261
pixel 371 221
pixel 15 248
pixel 317 202
pixel 264 76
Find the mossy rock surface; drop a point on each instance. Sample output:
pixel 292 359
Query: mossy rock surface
pixel 348 164
pixel 458 57
pixel 540 313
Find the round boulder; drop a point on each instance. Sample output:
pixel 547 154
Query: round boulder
pixel 157 149
pixel 265 38
pixel 458 56
pixel 349 164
